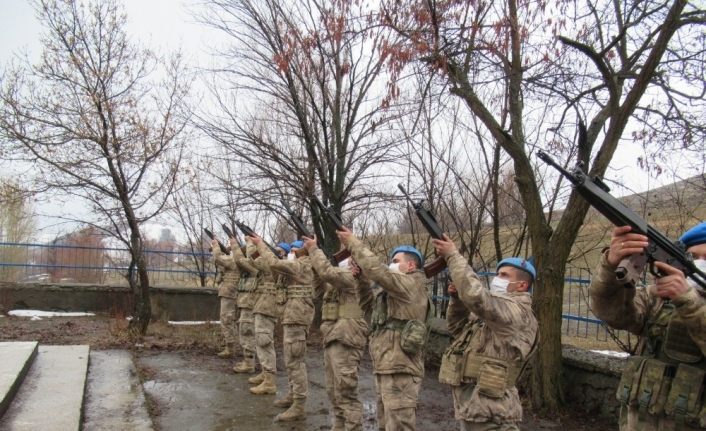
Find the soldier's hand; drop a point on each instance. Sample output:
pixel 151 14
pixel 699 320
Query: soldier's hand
pixel 452 290
pixel 672 284
pixel 344 235
pixel 444 247
pixel 309 243
pixel 214 244
pixel 355 269
pixel 233 243
pixel 254 239
pixel 624 244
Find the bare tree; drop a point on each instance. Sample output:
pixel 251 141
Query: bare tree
pixel 16 226
pixel 101 120
pixel 316 126
pixel 501 60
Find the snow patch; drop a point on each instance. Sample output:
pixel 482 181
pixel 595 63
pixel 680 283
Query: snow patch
pixel 194 322
pixel 38 314
pixel 612 353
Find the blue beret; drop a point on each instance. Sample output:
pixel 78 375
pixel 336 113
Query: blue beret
pixel 694 236
pixel 297 244
pixel 284 246
pixel 407 249
pixel 519 263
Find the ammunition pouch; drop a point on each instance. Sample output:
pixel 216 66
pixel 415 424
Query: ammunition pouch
pixel 685 399
pixel 333 311
pixel 493 376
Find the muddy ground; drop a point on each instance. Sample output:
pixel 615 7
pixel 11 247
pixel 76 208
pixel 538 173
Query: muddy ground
pixel 188 387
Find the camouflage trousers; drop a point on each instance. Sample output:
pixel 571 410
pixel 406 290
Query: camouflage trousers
pixel 397 401
pixel 630 421
pixel 265 342
pixel 487 426
pixel 247 332
pixel 294 354
pixel 341 363
pixel 228 322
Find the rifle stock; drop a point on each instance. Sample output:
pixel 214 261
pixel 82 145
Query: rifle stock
pixel 247 231
pixel 231 234
pixel 432 227
pixel 223 248
pixel 659 247
pixel 340 255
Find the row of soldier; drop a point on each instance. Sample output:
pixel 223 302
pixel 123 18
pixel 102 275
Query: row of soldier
pixel 494 329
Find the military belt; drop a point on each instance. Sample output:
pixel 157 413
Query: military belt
pixel 299 291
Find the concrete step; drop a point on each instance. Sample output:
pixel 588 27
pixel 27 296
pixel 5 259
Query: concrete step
pixel 15 360
pixel 51 396
pixel 114 396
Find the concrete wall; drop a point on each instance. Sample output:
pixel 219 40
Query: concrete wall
pixel 590 379
pixel 167 303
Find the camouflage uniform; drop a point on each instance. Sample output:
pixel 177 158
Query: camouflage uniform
pixel 493 336
pixel 245 304
pixel 344 333
pixel 398 375
pixel 297 316
pixel 229 276
pixel 266 313
pixel 660 388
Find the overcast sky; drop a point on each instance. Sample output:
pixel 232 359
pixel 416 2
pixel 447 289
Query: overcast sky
pixel 166 25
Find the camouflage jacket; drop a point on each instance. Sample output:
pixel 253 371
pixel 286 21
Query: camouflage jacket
pixel 507 331
pixel 341 289
pixel 298 281
pixel 635 310
pixel 228 285
pixel 406 299
pixel 265 293
pixel 246 289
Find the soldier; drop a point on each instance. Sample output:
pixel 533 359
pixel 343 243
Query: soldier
pixel 344 332
pixel 227 292
pixel 266 314
pixel 398 329
pixel 297 316
pixel 494 333
pixel 662 387
pixel 245 303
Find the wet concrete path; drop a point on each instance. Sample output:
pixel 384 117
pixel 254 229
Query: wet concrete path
pixel 194 391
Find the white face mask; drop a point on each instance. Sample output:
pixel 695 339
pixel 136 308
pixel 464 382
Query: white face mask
pixel 395 266
pixel 701 265
pixel 499 285
pixel 343 263
pixel 291 256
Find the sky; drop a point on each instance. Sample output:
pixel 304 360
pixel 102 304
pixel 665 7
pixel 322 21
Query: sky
pixel 167 25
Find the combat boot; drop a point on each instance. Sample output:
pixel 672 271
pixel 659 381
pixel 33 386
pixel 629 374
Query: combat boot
pixel 267 387
pixel 227 351
pixel 294 413
pixel 247 365
pixel 256 380
pixel 285 401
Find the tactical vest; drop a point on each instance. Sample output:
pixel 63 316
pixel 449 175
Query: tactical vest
pixel 668 378
pixel 413 332
pixel 493 376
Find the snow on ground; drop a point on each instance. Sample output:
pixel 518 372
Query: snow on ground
pixel 194 322
pixel 38 314
pixel 612 353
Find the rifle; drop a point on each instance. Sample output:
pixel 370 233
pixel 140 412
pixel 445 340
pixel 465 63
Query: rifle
pixel 659 248
pixel 432 227
pixel 223 248
pixel 341 255
pixel 249 232
pixel 232 234
pixel 299 226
